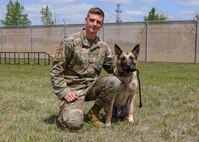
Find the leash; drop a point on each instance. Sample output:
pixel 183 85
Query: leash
pixel 140 106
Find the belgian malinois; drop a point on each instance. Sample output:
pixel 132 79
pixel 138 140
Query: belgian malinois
pixel 122 104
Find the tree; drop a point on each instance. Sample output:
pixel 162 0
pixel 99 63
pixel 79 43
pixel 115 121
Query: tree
pixel 46 17
pixel 15 15
pixel 153 16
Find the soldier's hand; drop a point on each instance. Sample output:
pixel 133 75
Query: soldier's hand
pixel 70 97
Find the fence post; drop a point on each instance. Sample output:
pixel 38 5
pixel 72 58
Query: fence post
pixel 103 33
pixel 31 38
pixel 146 45
pixel 64 28
pixel 1 36
pixel 196 41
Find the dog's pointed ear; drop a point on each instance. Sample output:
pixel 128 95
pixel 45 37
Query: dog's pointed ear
pixel 136 50
pixel 118 50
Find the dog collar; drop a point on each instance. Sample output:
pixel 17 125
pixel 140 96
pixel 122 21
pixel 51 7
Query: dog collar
pixel 122 74
pixel 124 77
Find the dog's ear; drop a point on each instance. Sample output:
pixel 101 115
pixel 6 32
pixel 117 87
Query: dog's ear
pixel 136 50
pixel 118 50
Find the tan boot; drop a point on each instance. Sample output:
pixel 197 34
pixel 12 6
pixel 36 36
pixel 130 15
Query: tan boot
pixel 93 116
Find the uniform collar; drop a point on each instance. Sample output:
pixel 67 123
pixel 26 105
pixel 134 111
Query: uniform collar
pixel 85 41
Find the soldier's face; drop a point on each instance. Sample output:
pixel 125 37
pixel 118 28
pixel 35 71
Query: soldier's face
pixel 94 22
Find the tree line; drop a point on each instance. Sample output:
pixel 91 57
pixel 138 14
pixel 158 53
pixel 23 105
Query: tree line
pixel 15 15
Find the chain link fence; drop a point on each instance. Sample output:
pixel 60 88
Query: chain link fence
pixel 170 41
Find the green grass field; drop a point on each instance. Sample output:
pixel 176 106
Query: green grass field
pixel 170 112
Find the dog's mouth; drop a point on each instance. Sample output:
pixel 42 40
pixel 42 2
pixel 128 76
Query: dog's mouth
pixel 129 68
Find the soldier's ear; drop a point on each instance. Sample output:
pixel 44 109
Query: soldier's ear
pixel 136 50
pixel 118 50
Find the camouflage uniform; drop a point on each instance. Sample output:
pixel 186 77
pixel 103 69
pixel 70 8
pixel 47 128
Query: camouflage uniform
pixel 76 67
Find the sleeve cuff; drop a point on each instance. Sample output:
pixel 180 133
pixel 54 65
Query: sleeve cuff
pixel 62 93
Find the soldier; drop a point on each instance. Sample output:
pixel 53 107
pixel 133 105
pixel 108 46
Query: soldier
pixel 75 73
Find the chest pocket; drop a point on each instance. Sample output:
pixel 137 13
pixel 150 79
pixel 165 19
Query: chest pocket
pixel 79 59
pixel 96 58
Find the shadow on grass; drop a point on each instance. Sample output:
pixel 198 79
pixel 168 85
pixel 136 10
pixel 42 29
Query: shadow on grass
pixel 103 116
pixel 51 119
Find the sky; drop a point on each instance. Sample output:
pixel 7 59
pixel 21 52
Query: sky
pixel 74 11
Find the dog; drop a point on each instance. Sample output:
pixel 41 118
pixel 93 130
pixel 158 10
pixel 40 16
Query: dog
pixel 122 105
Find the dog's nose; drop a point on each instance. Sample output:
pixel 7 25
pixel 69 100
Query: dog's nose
pixel 128 64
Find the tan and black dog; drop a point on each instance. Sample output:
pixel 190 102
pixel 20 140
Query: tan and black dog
pixel 122 104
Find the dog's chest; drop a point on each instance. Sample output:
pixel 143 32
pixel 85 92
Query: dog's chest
pixel 125 93
pixel 125 80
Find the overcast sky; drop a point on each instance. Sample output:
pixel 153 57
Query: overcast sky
pixel 74 11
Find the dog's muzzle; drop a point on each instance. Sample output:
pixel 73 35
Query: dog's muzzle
pixel 129 67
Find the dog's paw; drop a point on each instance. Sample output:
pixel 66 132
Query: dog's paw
pixel 130 118
pixel 108 124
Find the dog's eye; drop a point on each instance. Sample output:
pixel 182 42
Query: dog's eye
pixel 131 58
pixel 123 59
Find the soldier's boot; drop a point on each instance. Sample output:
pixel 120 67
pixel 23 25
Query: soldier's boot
pixel 93 116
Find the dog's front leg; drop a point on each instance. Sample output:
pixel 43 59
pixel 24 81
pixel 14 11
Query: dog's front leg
pixel 130 106
pixel 109 113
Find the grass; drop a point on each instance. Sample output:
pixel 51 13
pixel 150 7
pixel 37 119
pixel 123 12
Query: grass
pixel 170 110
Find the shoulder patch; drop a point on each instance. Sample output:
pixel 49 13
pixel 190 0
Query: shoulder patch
pixel 58 53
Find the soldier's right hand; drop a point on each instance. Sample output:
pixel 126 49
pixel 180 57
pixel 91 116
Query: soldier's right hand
pixel 70 97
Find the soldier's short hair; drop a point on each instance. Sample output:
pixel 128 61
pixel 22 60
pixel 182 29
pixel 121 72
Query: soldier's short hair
pixel 96 10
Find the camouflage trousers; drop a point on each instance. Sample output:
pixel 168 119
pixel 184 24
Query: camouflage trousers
pixel 101 90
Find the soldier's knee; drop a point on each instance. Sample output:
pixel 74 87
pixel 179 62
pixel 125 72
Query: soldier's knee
pixel 113 83
pixel 73 120
pixel 74 125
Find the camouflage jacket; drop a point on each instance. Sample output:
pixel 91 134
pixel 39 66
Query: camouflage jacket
pixel 76 64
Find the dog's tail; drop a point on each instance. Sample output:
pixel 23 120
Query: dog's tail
pixel 140 96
